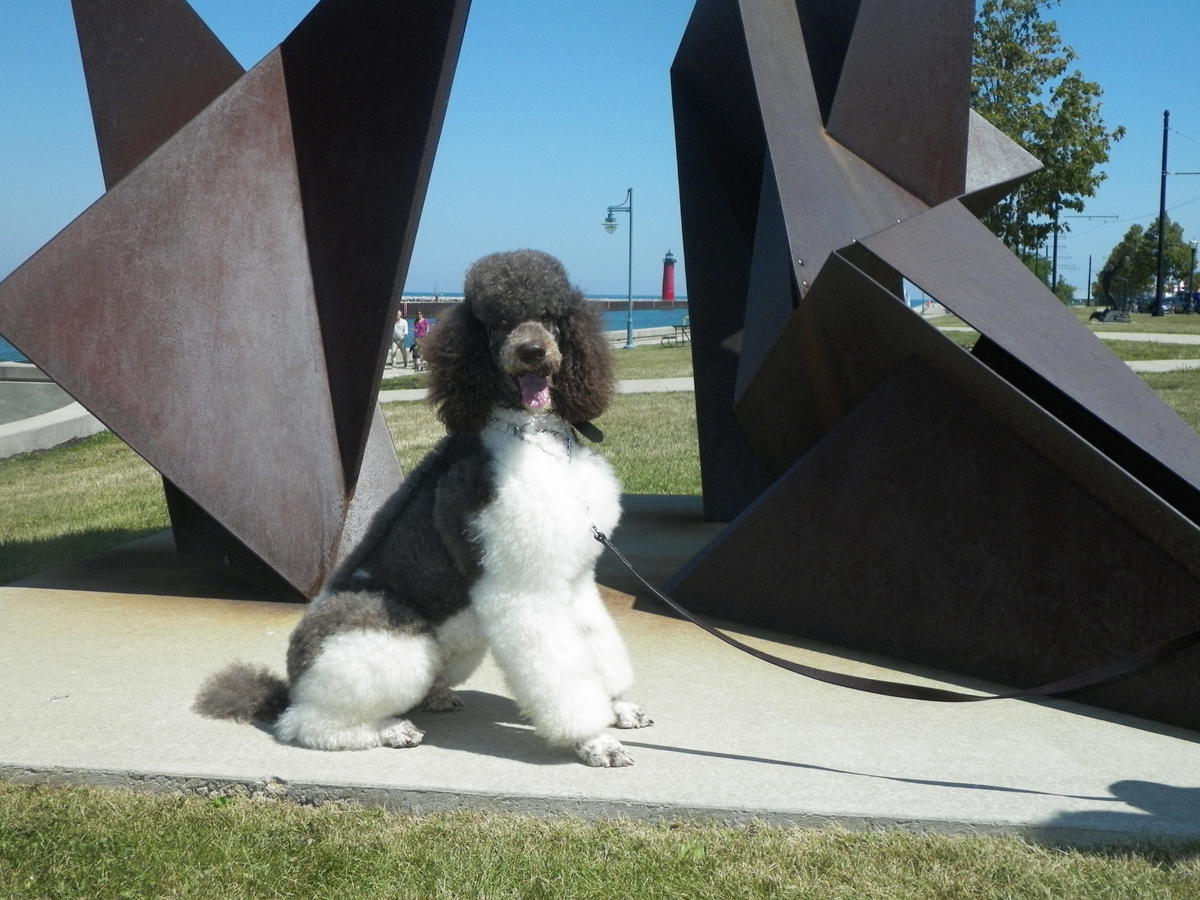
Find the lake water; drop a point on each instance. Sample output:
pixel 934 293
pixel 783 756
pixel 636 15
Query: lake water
pixel 615 320
pixel 9 353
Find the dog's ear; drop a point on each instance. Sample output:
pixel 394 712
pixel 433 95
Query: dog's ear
pixel 584 385
pixel 462 376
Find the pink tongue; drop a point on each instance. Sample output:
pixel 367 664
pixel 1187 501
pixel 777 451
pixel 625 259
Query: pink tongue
pixel 535 391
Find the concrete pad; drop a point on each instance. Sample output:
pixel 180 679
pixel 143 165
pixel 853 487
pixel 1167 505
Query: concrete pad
pixel 101 662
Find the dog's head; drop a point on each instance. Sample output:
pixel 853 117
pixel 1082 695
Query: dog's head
pixel 523 337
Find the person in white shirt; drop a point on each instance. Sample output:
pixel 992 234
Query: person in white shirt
pixel 399 336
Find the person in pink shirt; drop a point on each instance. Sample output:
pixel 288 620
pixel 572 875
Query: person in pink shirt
pixel 420 332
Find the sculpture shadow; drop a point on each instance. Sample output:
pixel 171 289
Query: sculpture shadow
pixel 32 560
pixel 134 561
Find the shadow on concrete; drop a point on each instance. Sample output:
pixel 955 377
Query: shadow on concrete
pixel 141 563
pixel 491 725
pixel 964 785
pixel 22 559
pixel 487 724
pixel 1163 806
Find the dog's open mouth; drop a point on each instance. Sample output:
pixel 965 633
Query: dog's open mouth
pixel 535 391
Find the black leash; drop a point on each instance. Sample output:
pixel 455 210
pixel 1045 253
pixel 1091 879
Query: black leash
pixel 1143 659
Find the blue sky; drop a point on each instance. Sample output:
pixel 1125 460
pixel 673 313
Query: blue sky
pixel 1145 57
pixel 557 108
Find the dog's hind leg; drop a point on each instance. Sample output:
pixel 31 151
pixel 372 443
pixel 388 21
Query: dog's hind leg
pixel 462 647
pixel 355 692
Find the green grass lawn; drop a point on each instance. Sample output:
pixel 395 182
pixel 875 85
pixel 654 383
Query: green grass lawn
pixel 1181 391
pixel 74 501
pixel 1125 350
pixel 84 498
pixel 646 361
pixel 650 439
pixel 1144 322
pixel 82 842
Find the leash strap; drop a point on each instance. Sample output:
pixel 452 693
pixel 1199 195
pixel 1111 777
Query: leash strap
pixel 1135 662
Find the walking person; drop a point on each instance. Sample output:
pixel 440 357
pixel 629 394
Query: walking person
pixel 399 339
pixel 420 332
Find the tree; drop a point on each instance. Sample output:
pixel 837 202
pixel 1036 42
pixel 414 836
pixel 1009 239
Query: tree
pixel 1065 292
pixel 1124 271
pixel 1041 267
pixel 1021 84
pixel 1133 263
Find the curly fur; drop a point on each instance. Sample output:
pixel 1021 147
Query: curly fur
pixel 500 292
pixel 486 545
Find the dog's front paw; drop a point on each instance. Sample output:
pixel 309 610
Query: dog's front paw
pixel 603 750
pixel 629 715
pixel 400 733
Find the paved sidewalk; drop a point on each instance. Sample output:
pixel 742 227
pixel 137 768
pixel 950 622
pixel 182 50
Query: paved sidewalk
pixel 102 660
pixel 1163 365
pixel 1151 336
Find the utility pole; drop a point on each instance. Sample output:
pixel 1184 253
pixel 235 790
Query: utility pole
pixel 1054 265
pixel 1162 217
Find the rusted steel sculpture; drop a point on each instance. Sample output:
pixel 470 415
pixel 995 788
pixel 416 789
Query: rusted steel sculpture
pixel 226 306
pixel 1017 512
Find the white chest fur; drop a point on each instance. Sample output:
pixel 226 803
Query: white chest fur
pixel 550 491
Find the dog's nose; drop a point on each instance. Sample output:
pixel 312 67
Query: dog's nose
pixel 531 352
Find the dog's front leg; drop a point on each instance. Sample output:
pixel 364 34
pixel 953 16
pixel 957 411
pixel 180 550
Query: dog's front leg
pixel 609 653
pixel 537 642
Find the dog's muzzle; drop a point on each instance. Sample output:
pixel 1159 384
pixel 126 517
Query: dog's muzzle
pixel 531 356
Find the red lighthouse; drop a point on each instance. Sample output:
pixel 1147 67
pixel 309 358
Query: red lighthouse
pixel 668 290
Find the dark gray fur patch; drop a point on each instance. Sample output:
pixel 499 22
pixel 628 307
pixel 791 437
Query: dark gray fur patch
pixel 415 566
pixel 341 611
pixel 243 693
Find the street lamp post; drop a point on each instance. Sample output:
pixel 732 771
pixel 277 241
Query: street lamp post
pixel 610 225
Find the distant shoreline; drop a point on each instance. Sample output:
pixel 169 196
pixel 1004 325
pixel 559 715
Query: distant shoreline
pixel 432 308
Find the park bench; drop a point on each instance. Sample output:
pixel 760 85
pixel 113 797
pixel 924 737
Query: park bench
pixel 681 336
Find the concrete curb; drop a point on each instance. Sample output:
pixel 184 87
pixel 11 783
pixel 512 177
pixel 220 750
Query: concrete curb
pixel 48 430
pixel 15 371
pixel 428 802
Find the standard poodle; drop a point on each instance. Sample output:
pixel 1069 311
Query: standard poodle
pixel 487 544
